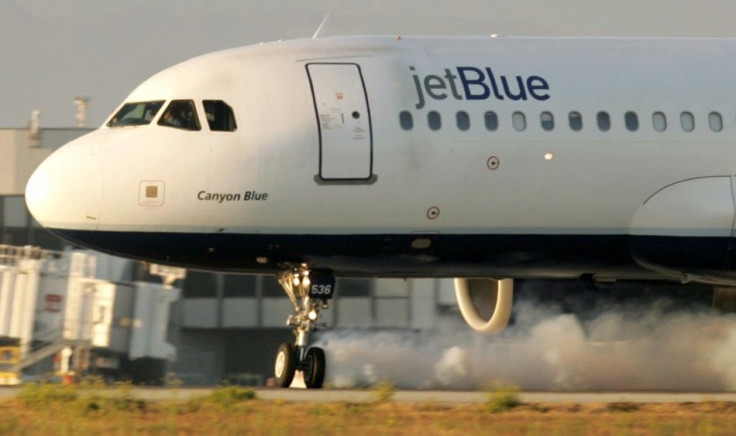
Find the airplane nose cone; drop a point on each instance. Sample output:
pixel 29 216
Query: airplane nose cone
pixel 65 191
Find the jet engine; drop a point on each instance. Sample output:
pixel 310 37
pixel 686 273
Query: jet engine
pixel 485 303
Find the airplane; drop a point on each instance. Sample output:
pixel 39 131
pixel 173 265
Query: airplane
pixel 484 159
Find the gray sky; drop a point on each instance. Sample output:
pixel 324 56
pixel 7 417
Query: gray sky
pixel 54 50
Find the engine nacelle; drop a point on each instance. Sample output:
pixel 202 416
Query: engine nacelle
pixel 494 297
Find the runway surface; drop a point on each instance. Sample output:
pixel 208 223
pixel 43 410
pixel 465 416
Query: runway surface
pixel 479 397
pixel 454 397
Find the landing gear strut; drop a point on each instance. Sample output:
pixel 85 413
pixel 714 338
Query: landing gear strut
pixel 308 292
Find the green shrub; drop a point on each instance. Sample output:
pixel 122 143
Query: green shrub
pixel 227 396
pixel 88 404
pixel 502 397
pixel 122 399
pixel 384 391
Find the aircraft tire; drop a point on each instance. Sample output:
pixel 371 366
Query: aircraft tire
pixel 285 365
pixel 314 372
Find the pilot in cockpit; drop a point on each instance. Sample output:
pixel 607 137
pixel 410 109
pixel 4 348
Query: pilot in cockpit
pixel 180 114
pixel 170 119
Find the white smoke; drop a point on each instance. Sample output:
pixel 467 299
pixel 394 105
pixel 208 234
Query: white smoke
pixel 623 349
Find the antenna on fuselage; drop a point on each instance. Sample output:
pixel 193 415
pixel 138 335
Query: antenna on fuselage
pixel 323 29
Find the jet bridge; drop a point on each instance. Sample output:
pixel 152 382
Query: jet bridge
pixel 57 317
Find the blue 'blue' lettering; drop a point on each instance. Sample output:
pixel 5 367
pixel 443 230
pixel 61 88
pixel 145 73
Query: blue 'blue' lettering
pixel 478 81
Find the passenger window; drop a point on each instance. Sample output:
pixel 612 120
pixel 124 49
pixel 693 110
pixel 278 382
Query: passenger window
pixel 136 114
pixel 659 121
pixel 687 121
pixel 576 121
pixel 434 120
pixel 491 120
pixel 518 119
pixel 219 116
pixel 547 120
pixel 715 121
pixel 463 120
pixel 604 121
pixel 406 120
pixel 180 114
pixel 631 121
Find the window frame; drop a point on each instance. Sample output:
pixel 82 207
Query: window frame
pixel 406 121
pixel 715 115
pixel 434 121
pixel 522 123
pixel 462 120
pixel 194 116
pixel 547 125
pixel 659 121
pixel 631 121
pixel 575 121
pixel 232 119
pixel 599 117
pixel 114 122
pixel 490 120
pixel 689 117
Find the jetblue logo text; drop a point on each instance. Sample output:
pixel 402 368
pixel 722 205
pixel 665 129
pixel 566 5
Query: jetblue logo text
pixel 471 83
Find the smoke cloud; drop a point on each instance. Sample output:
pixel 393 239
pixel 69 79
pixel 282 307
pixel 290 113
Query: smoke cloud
pixel 622 348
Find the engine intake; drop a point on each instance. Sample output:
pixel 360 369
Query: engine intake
pixel 495 297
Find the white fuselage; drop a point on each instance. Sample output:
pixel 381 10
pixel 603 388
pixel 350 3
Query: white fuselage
pixel 338 161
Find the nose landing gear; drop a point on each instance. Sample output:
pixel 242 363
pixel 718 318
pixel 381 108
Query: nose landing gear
pixel 308 292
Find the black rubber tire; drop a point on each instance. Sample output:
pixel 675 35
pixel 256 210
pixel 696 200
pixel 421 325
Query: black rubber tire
pixel 314 372
pixel 285 365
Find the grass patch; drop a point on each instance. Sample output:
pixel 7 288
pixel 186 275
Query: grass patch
pixel 88 397
pixel 113 411
pixel 622 407
pixel 89 409
pixel 41 395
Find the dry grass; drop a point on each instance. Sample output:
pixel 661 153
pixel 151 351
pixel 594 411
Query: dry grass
pixel 233 411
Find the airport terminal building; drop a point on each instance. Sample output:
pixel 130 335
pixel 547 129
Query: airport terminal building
pixel 224 326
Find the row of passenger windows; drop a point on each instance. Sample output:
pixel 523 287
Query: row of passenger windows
pixel 574 121
pixel 181 114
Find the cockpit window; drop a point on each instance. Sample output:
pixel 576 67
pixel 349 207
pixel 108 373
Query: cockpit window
pixel 219 116
pixel 180 114
pixel 135 114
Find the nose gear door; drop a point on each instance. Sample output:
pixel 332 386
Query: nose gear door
pixel 343 120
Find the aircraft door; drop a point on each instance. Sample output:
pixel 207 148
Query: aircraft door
pixel 343 120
